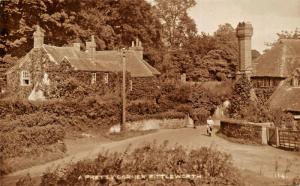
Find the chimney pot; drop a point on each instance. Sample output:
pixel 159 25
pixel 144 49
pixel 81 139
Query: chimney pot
pixel 38 37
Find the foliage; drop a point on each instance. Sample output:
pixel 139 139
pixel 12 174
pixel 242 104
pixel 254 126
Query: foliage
pixel 204 57
pixel 242 107
pixel 26 181
pixel 177 26
pixel 112 22
pixel 214 167
pixel 263 94
pixel 284 34
pixel 240 98
pixel 240 131
pixel 201 56
pixel 141 107
pixel 280 118
pixel 17 139
pixel 255 54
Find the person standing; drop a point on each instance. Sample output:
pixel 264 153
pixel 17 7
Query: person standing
pixel 210 123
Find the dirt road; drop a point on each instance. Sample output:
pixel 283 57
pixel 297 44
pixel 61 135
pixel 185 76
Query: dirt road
pixel 259 159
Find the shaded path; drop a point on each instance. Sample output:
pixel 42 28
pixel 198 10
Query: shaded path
pixel 259 159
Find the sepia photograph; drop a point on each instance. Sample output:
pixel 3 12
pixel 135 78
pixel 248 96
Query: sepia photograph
pixel 149 92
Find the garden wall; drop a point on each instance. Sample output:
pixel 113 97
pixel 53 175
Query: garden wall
pixel 254 132
pixel 154 124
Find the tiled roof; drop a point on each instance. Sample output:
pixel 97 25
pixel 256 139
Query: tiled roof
pixel 103 61
pixel 280 61
pixel 286 97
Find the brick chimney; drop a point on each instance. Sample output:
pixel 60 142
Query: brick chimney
pixel 137 47
pixel 91 48
pixel 38 37
pixel 244 32
pixel 76 46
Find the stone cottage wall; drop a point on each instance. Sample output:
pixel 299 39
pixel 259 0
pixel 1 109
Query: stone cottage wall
pixel 34 63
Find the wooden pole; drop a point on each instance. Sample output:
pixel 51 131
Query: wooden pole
pixel 123 89
pixel 277 136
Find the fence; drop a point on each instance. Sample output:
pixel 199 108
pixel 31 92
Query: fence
pixel 284 138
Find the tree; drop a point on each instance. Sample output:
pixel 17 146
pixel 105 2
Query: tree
pixel 114 23
pixel 176 24
pixel 255 54
pixel 284 34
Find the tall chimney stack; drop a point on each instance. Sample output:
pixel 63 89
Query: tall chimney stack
pixel 38 37
pixel 244 32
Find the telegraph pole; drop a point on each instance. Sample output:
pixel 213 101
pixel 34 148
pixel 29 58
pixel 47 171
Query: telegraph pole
pixel 123 89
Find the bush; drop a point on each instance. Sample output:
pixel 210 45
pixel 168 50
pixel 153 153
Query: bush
pixel 214 167
pixel 141 107
pixel 200 116
pixel 240 97
pixel 17 142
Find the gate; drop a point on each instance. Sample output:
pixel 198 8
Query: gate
pixel 272 136
pixel 289 139
pixel 284 138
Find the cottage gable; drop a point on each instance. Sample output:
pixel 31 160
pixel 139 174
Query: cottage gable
pixel 280 61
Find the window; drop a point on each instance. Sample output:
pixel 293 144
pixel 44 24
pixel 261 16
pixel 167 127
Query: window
pixel 94 78
pixel 266 82
pixel 106 78
pixel 130 85
pixel 25 78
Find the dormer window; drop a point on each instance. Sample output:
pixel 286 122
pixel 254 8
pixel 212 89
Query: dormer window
pixel 106 78
pixel 94 78
pixel 25 78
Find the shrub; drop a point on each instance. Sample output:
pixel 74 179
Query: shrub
pixel 215 167
pixel 17 142
pixel 181 94
pixel 200 116
pixel 240 97
pixel 141 107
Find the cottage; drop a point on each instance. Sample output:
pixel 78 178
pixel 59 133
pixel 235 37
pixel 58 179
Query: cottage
pixel 38 74
pixel 278 64
pixel 277 70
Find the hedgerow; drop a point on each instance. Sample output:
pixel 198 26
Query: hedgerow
pixel 17 139
pixel 214 167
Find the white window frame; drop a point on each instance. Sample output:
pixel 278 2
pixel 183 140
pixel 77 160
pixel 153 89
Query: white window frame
pixel 94 78
pixel 25 76
pixel 106 78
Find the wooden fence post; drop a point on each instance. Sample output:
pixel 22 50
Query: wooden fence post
pixel 277 136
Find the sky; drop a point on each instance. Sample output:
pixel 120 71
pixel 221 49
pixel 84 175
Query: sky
pixel 267 17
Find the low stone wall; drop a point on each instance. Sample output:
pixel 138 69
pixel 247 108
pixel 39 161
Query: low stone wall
pixel 254 132
pixel 154 124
